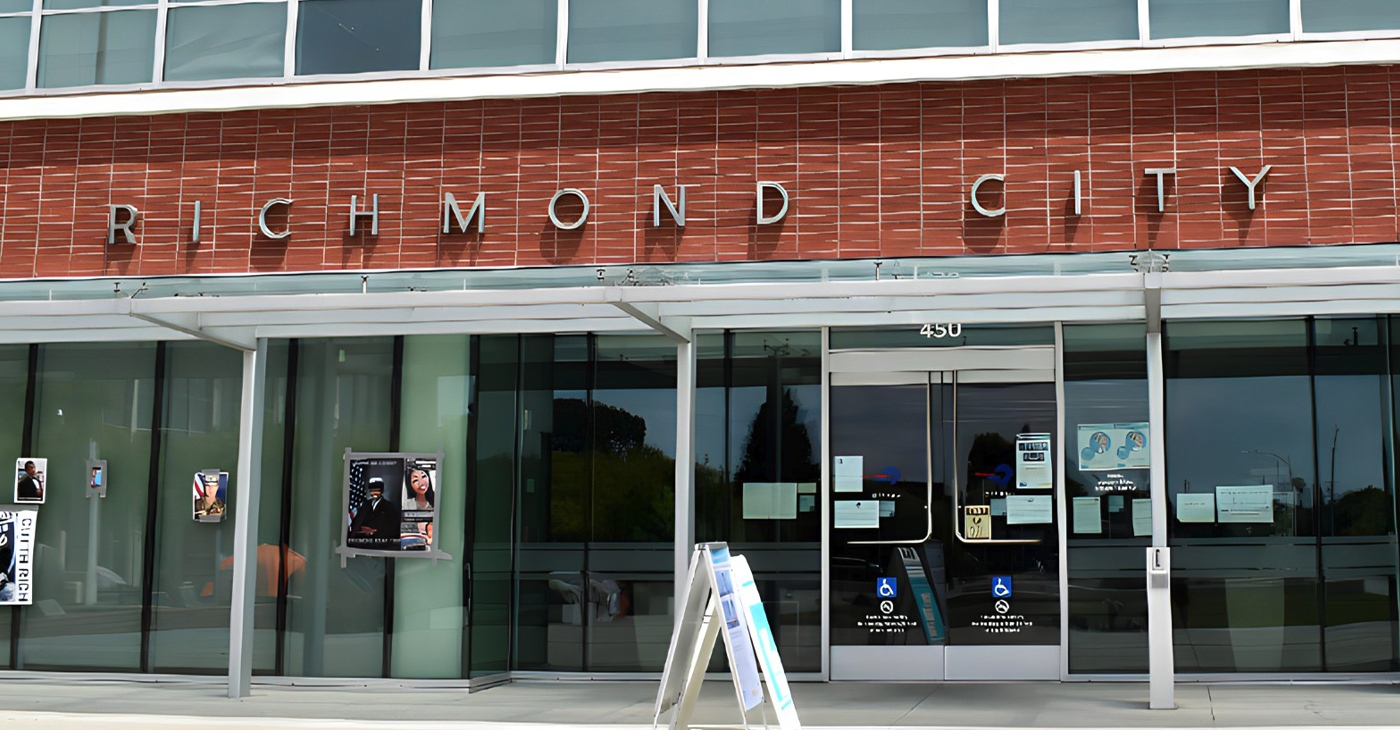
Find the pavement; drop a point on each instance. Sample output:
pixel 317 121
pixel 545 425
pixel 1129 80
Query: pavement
pixel 53 704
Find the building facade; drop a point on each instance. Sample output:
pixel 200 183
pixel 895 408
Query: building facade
pixel 939 313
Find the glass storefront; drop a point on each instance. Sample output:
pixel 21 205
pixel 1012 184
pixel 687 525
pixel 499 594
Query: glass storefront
pixel 950 541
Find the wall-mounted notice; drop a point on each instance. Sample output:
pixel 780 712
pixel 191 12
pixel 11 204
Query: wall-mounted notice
pixel 391 504
pixel 1195 507
pixel 1252 503
pixel 998 505
pixel 851 514
pixel 1115 503
pixel 1087 516
pixel 1108 446
pixel 848 475
pixel 1033 461
pixel 1024 509
pixel 1142 518
pixel 17 557
pixel 210 495
pixel 770 501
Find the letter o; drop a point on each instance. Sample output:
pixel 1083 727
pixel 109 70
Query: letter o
pixel 554 217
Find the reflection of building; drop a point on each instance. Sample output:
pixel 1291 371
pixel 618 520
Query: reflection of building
pixel 900 239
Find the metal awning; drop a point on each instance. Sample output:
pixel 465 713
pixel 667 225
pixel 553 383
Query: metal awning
pixel 675 310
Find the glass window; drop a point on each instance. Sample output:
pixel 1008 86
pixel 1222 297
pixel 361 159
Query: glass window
pixel 879 25
pixel 771 436
pixel 14 52
pixel 1322 16
pixel 428 610
pixel 1207 18
pixel 491 482
pixel 72 4
pixel 632 30
pixel 16 6
pixel 97 48
pixel 193 578
pixel 274 561
pixel 225 42
pixel 358 36
pixel 483 33
pixel 1239 438
pixel 746 28
pixel 1105 392
pixel 1067 21
pixel 335 615
pixel 92 402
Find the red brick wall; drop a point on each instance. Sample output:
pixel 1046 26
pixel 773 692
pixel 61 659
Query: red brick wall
pixel 873 171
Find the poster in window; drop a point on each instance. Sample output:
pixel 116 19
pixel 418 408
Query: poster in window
pixel 391 505
pixel 210 495
pixel 1113 446
pixel 31 480
pixel 17 557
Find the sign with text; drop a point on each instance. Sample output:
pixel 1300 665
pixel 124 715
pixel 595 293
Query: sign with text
pixel 17 557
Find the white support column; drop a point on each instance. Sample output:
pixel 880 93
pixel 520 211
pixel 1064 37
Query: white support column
pixel 245 534
pixel 685 464
pixel 1161 663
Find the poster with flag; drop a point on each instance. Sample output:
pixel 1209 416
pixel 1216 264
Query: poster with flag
pixel 391 505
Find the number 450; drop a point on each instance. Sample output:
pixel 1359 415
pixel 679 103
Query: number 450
pixel 942 330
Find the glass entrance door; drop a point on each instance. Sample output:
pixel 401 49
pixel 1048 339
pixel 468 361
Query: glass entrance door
pixel 944 536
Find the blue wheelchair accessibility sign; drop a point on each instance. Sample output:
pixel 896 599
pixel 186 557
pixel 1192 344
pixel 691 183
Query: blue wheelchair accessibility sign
pixel 1001 586
pixel 886 588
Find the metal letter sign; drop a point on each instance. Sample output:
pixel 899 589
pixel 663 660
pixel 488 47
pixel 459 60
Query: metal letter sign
pixel 721 597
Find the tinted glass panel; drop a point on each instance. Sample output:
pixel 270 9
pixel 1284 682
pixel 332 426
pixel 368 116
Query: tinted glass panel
pixel 1321 16
pixel 194 560
pixel 15 6
pixel 92 401
pixel 1204 18
pixel 1244 569
pixel 97 48
pixel 1105 393
pixel 358 36
pixel 225 42
pixel 491 480
pixel 889 24
pixel 14 378
pixel 474 33
pixel 1068 21
pixel 335 615
pixel 14 52
pixel 744 28
pixel 428 608
pixel 69 4
pixel 632 30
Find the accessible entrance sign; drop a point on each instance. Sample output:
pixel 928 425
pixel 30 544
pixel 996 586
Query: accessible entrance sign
pixel 721 594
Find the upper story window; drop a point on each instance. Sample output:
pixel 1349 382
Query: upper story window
pixel 79 44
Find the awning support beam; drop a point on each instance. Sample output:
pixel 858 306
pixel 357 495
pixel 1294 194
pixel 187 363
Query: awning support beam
pixel 194 330
pixel 652 319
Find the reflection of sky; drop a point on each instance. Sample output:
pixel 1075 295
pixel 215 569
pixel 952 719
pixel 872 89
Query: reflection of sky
pixel 656 405
pixel 1211 422
pixel 1349 410
pixel 885 424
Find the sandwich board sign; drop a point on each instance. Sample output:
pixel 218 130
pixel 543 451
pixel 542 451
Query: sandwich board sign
pixel 722 598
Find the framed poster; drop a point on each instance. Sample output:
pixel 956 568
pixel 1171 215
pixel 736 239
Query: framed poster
pixel 390 505
pixel 1112 446
pixel 17 557
pixel 96 478
pixel 210 495
pixel 31 480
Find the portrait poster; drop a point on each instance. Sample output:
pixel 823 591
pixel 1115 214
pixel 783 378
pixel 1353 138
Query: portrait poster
pixel 391 505
pixel 17 557
pixel 210 495
pixel 31 480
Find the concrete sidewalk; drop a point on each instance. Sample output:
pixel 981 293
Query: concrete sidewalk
pixel 91 705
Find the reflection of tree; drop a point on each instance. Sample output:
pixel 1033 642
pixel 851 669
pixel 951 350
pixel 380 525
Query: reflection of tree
pixel 632 483
pixel 790 440
pixel 1362 512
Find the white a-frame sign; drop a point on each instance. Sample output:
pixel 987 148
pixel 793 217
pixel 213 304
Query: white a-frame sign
pixel 721 598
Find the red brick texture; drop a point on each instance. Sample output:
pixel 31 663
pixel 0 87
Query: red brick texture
pixel 873 171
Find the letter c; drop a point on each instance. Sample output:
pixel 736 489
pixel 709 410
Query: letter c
pixel 977 206
pixel 262 219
